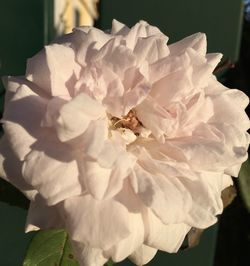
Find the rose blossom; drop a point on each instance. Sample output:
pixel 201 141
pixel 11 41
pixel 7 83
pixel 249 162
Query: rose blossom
pixel 122 140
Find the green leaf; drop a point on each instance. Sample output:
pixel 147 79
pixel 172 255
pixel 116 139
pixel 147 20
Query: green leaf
pixel 109 263
pixel 50 247
pixel 244 183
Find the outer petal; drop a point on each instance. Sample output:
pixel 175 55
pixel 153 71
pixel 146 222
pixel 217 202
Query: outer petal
pixel 204 210
pixel 12 84
pixel 166 237
pixel 196 41
pixel 127 246
pixel 168 66
pixel 22 125
pixel 163 91
pixel 118 27
pixel 143 255
pixel 42 69
pixel 11 169
pixel 134 240
pixel 229 108
pixel 141 30
pixel 88 43
pixel 161 195
pixel 99 224
pixel 88 256
pixel 42 216
pixel 150 49
pixel 50 168
pixel 205 154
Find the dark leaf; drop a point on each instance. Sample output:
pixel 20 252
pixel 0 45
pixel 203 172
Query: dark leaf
pixel 244 183
pixel 50 248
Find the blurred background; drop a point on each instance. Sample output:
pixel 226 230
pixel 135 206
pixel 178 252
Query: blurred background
pixel 27 25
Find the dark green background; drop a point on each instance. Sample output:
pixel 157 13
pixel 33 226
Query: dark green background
pixel 25 26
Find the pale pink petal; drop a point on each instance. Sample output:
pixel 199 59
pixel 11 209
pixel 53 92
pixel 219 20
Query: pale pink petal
pixel 96 178
pixel 213 59
pixel 203 67
pixel 76 115
pixel 161 195
pixel 161 187
pixel 165 237
pixel 94 138
pixel 229 108
pixel 127 246
pixel 193 115
pixel 234 170
pixel 94 82
pixel 141 30
pixel 167 66
pixel 12 84
pixel 11 169
pixel 104 177
pixel 132 77
pixel 131 36
pixel 42 216
pixel 88 256
pixel 51 168
pixel 89 45
pixel 115 56
pixel 23 132
pixel 205 154
pixel 118 27
pixel 155 118
pixel 196 41
pixel 226 181
pixel 163 91
pixel 99 224
pixel 52 111
pixel 150 49
pixel 135 96
pixel 134 221
pixel 42 69
pixel 204 210
pixel 143 255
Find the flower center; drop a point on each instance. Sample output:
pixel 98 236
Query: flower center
pixel 129 121
pixel 129 126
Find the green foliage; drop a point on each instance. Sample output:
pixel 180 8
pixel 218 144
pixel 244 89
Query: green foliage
pixel 109 263
pixel 244 183
pixel 50 247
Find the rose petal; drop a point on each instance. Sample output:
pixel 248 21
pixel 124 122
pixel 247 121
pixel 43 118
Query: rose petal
pixel 143 255
pixel 76 115
pixel 150 49
pixel 99 224
pixel 42 69
pixel 134 240
pixel 131 243
pixel 168 66
pixel 11 169
pixel 166 237
pixel 38 215
pixel 52 170
pixel 88 256
pixel 161 195
pixel 23 132
pixel 196 41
